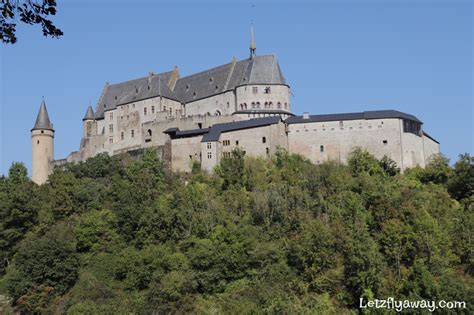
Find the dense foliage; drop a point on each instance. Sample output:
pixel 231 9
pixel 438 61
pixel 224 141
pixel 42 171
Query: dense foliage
pixel 120 236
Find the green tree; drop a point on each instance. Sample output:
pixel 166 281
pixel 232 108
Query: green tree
pixel 28 12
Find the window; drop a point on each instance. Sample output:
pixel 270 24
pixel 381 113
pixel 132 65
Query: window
pixel 149 132
pixel 128 116
pixel 255 90
pixel 209 155
pixel 122 135
pixel 226 154
pixel 253 104
pixel 411 126
pixel 226 143
pixel 171 112
pixel 200 125
pixel 111 140
pixel 164 108
pixel 258 104
pixel 111 115
pixel 177 112
pixel 264 140
pixel 341 124
pixel 153 109
pixel 121 118
pixel 385 142
pixel 37 142
pixel 111 128
pixel 132 133
pixel 144 111
pixel 228 104
pixel 267 150
pixel 209 145
pixel 237 142
pixel 267 90
pixel 321 148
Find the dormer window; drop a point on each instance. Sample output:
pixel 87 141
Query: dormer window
pixel 217 87
pixel 194 94
pixel 187 87
pixel 210 80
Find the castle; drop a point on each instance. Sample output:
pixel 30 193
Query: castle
pixel 242 104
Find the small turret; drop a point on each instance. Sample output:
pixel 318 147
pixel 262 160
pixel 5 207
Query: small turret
pixel 42 143
pixel 88 124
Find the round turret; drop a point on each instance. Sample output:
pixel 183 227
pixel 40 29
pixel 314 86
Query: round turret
pixel 42 144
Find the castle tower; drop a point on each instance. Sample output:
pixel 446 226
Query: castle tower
pixel 88 123
pixel 42 144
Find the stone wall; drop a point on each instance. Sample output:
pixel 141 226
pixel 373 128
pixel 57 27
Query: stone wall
pixel 335 140
pixel 254 95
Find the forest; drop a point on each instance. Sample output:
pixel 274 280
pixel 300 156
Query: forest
pixel 118 235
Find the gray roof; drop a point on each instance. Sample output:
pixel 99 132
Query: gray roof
pixel 176 133
pixel 42 120
pixel 139 89
pixel 377 114
pixel 256 70
pixel 216 130
pixel 89 114
pixel 430 137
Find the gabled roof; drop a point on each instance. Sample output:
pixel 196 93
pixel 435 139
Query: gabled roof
pixel 377 114
pixel 42 120
pixel 216 130
pixel 256 70
pixel 139 89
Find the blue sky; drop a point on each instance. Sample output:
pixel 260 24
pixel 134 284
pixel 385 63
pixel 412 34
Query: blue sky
pixel 337 56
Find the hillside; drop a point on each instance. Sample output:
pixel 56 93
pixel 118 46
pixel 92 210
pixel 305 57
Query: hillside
pixel 121 236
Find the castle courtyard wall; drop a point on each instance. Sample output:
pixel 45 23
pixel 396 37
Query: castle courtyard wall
pixel 335 140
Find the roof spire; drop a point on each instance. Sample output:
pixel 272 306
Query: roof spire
pixel 253 48
pixel 42 120
pixel 89 114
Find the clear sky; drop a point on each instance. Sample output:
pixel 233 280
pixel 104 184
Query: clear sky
pixel 338 56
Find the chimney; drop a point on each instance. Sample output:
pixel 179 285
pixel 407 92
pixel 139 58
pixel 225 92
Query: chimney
pixel 305 115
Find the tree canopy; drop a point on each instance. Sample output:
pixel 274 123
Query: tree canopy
pixel 116 235
pixel 29 12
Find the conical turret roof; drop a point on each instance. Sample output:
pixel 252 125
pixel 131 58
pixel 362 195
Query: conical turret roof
pixel 42 120
pixel 89 114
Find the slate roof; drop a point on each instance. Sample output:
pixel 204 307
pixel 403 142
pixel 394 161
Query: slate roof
pixel 428 136
pixel 89 114
pixel 256 70
pixel 216 130
pixel 377 114
pixel 134 90
pixel 176 133
pixel 42 120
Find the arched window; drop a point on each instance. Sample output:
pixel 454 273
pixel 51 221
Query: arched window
pixel 266 105
pixel 321 148
pixel 286 105
pixel 149 132
pixel 270 105
pixel 245 105
pixel 253 104
pixel 279 105
pixel 258 104
pixel 218 113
